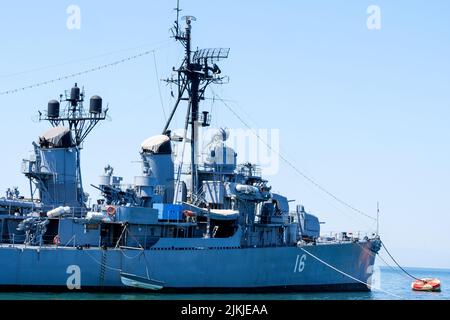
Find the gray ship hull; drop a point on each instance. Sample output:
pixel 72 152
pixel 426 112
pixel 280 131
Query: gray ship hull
pixel 251 269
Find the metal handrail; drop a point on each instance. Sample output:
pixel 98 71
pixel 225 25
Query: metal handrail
pixel 349 236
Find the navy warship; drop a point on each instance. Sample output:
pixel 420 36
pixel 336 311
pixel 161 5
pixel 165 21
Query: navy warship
pixel 209 225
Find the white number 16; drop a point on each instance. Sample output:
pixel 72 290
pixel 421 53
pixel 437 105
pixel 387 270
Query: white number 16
pixel 300 263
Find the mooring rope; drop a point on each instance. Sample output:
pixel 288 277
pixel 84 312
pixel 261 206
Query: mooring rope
pixel 381 258
pixel 398 265
pixel 349 276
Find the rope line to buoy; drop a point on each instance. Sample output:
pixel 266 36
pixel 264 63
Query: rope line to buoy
pixel 401 268
pixel 349 276
pixel 381 258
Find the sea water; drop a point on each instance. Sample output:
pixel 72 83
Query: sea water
pixel 388 284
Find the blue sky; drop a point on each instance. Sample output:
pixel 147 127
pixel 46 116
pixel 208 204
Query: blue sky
pixel 363 112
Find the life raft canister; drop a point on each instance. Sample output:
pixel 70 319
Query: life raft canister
pixel 430 285
pixel 111 210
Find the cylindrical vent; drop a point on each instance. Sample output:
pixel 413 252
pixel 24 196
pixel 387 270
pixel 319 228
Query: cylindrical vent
pixel 53 109
pixel 96 105
pixel 143 181
pixel 75 93
pixel 105 181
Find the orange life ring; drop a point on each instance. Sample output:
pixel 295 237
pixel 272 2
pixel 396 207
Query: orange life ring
pixel 111 211
pixel 56 240
pixel 188 213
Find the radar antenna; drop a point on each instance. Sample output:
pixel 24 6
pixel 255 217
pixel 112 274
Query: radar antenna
pixel 197 71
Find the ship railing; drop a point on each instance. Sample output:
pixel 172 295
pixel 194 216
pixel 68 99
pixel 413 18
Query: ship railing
pixel 125 186
pixel 250 172
pixel 345 236
pixel 204 167
pixel 14 240
pixel 187 168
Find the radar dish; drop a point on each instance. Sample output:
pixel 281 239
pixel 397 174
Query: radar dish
pixel 189 18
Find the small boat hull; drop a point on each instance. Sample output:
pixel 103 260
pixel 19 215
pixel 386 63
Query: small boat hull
pixel 133 281
pixel 429 285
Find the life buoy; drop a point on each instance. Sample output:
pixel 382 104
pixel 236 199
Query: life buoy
pixel 188 213
pixel 111 211
pixel 56 240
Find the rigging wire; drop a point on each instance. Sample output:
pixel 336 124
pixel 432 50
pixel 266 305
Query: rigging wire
pixel 3 76
pixel 73 75
pixel 159 86
pixel 289 163
pixel 143 253
pixel 370 226
pixel 322 189
pixel 256 124
pixel 129 257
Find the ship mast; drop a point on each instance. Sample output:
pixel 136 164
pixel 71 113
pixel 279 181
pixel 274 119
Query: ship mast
pixel 195 74
pixel 80 121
